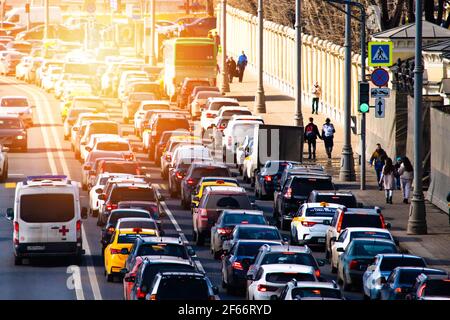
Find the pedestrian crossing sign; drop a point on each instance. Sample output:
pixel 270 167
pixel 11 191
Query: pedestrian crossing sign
pixel 380 54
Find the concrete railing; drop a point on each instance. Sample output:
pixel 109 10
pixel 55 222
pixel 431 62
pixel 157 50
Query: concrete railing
pixel 322 60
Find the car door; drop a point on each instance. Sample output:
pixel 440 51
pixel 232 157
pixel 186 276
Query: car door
pixel 66 229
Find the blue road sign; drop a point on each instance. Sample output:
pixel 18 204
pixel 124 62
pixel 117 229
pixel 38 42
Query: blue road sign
pixel 380 54
pixel 379 77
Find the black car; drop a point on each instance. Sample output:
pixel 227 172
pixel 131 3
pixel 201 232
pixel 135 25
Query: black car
pixel 198 28
pixel 196 171
pixel 177 174
pixel 430 287
pixel 110 227
pixel 294 193
pixel 401 281
pixel 345 198
pixel 267 178
pixel 150 206
pixel 13 133
pixel 236 262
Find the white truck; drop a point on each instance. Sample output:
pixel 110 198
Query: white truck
pixel 37 15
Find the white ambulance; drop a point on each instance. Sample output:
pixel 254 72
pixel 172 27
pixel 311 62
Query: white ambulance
pixel 47 218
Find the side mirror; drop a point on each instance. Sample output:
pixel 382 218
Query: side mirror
pixel 98 191
pixel 191 252
pixel 388 225
pixel 340 249
pixel 10 214
pixel 124 251
pixel 102 197
pixel 88 149
pixel 215 290
pixel 84 213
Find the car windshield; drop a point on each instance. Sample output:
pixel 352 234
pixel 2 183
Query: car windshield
pixel 303 186
pixel 116 215
pixel 50 207
pixel 14 102
pixel 237 218
pixel 148 224
pixel 242 130
pixel 361 220
pixel 258 234
pixel 237 201
pixel 348 201
pixel 192 289
pixel 113 146
pixel 284 277
pixel 152 270
pixel 320 212
pixel 210 172
pixel 370 234
pixel 390 263
pixel 152 208
pixel 300 293
pixel 95 104
pixel 371 249
pixel 408 277
pixel 10 124
pixel 437 288
pixel 289 257
pixel 162 249
pixel 132 194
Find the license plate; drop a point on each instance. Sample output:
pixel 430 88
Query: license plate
pixel 35 248
pixel 321 240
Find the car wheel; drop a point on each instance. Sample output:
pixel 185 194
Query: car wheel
pixel 17 261
pixel 109 277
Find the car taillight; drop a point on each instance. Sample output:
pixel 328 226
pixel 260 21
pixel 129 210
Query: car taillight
pixel 16 233
pixel 110 230
pixel 129 157
pixel 339 224
pixel 265 288
pixel 190 181
pixel 114 251
pixel 237 265
pixel 288 193
pixel 168 157
pixel 398 290
pixel 383 224
pixel 353 264
pixel 317 273
pixel 179 175
pixel 110 207
pixel 153 297
pixel 78 228
pixel 140 294
pixel 224 230
pixel 210 115
pixel 421 290
pixel 203 214
pixel 268 178
pixel 308 223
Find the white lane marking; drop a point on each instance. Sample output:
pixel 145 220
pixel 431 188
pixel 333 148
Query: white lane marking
pixel 90 263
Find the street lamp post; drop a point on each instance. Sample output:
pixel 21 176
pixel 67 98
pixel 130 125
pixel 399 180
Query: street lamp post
pixel 46 17
pixel 298 84
pixel 225 84
pixel 347 171
pixel 260 100
pixel 417 223
pixel 152 33
pixel 145 31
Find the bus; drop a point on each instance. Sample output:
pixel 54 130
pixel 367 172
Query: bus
pixel 188 57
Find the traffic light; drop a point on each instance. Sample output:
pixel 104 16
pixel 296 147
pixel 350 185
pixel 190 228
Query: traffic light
pixel 363 97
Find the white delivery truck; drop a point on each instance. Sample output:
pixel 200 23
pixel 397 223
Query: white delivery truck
pixel 47 218
pixel 37 15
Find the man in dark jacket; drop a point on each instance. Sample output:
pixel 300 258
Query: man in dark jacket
pixel 231 65
pixel 378 159
pixel 241 64
pixel 311 134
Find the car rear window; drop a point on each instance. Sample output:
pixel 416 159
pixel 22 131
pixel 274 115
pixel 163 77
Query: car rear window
pixel 153 209
pixel 370 234
pixel 132 194
pixel 390 263
pixel 200 172
pixel 217 105
pixel 249 249
pixel 290 257
pixel 304 186
pixel 237 218
pixel 162 249
pixel 258 234
pixel 235 201
pixel 153 269
pixel 104 128
pixel 409 276
pixel 320 212
pixel 128 167
pixel 372 249
pixel 41 208
pixel 348 201
pixel 126 214
pixel 130 238
pixel 437 288
pixel 166 124
pixel 361 220
pixel 138 224
pixel 95 104
pixel 229 113
pixel 300 293
pixel 284 277
pixel 113 146
pixel 192 289
pixel 14 102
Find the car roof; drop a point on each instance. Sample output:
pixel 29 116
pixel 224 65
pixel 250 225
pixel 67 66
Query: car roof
pixel 165 274
pixel 136 202
pixel 313 284
pixel 262 242
pixel 333 193
pixel 425 269
pixel 155 259
pixel 243 211
pixel 374 211
pixel 134 219
pixel 362 229
pixel 137 184
pixel 156 102
pixel 217 99
pixel 248 226
pixel 290 248
pixel 321 205
pixel 129 210
pixel 399 255
pixel 287 267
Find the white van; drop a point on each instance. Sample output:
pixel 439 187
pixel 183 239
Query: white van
pixel 47 218
pixel 37 15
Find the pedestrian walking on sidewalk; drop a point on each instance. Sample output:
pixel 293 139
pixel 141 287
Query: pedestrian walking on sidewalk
pixel 388 180
pixel 398 163
pixel 231 65
pixel 311 134
pixel 241 64
pixel 316 92
pixel 377 160
pixel 406 173
pixel 328 136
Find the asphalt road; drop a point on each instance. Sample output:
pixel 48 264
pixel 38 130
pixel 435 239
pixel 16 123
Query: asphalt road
pixel 48 153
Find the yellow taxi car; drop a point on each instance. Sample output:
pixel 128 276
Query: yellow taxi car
pixel 67 100
pixel 117 251
pixel 208 182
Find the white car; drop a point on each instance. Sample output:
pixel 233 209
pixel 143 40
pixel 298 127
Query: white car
pixel 197 152
pixel 97 188
pixel 145 106
pixel 270 279
pixel 3 163
pixel 211 110
pixel 348 234
pixel 228 112
pixel 199 102
pixel 113 144
pixel 53 74
pixel 172 145
pixel 309 291
pixel 82 119
pixel 94 138
pixel 126 77
pixel 234 135
pixel 17 105
pixel 22 67
pixel 310 223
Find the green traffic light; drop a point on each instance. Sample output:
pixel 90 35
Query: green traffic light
pixel 364 108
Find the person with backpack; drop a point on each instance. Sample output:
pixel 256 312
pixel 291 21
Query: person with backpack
pixel 311 134
pixel 388 179
pixel 241 64
pixel 406 174
pixel 328 136
pixel 377 160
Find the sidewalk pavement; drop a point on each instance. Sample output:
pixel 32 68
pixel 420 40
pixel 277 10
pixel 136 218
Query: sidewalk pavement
pixel 280 109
